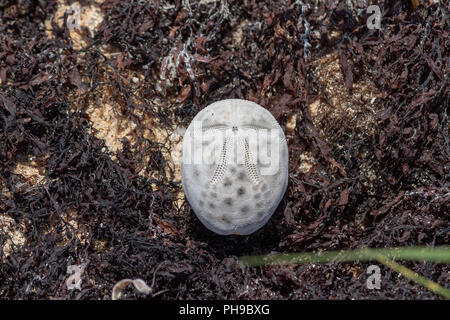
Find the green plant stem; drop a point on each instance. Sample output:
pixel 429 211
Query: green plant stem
pixel 408 273
pixel 436 254
pixel 384 256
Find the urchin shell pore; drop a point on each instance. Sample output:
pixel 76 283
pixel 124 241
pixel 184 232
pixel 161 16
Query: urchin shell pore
pixel 234 166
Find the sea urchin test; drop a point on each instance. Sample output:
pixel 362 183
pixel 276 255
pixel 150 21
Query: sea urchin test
pixel 234 166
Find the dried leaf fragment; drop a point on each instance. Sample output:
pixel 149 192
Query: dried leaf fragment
pixel 139 284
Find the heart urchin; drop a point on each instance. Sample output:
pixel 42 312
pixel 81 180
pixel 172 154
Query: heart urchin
pixel 234 166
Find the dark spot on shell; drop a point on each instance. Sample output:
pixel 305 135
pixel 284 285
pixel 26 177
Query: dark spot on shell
pixel 201 203
pixel 213 195
pixel 259 204
pixel 203 194
pixel 245 209
pixel 226 218
pixel 241 176
pixel 211 205
pixel 264 187
pixel 260 214
pixel 257 195
pixel 227 183
pixel 196 172
pixel 233 170
pixel 241 191
pixel 228 201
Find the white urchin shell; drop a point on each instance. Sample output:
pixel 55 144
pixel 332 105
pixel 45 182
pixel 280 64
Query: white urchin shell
pixel 231 182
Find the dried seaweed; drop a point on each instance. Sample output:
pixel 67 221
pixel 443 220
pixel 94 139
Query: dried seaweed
pixel 95 206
